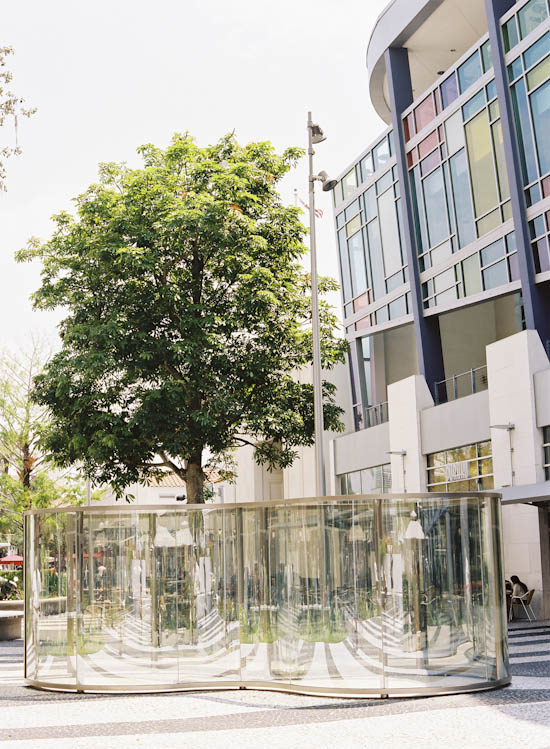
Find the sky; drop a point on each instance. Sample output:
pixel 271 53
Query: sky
pixel 111 75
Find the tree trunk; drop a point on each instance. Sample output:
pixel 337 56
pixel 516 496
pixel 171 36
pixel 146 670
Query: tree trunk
pixel 194 479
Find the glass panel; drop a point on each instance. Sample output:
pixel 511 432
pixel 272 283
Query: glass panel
pixel 491 90
pixel 384 183
pixel 397 308
pixel 472 106
pixel 538 74
pixel 390 234
pixel 478 139
pixel 436 207
pixel 471 275
pixel 454 130
pixel 367 168
pixel 500 158
pixel 495 275
pixel 449 90
pixel 486 56
pixel 344 266
pixel 353 226
pixel 376 262
pixel 381 154
pixel 494 111
pixel 428 144
pixel 430 162
pixel 510 34
pixel 531 15
pixel 357 264
pixel 537 50
pixel 424 113
pixel 469 72
pixel 540 104
pixel 462 199
pixel 492 252
pixel 442 253
pixel 488 223
pixel 349 183
pixel 515 69
pixel 370 203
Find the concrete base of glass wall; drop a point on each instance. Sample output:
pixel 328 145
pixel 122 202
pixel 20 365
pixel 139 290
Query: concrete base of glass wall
pixel 348 597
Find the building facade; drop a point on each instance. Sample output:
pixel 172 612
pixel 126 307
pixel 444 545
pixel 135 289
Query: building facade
pixel 443 228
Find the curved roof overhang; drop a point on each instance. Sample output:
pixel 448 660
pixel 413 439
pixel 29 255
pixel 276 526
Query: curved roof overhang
pixel 436 34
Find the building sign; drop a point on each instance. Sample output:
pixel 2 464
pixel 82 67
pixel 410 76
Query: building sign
pixel 457 471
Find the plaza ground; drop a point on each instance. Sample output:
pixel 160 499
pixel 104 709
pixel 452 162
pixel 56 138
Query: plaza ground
pixel 519 714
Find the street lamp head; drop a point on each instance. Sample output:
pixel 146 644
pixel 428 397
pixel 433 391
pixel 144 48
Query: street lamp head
pixel 317 135
pixel 328 182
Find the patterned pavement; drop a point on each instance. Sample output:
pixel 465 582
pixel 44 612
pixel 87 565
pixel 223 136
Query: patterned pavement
pixel 519 714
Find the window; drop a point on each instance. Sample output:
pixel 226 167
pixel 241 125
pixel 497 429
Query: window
pixel 469 72
pixel 546 449
pixel 368 481
pixel 424 113
pixel 462 199
pixel 436 207
pixel 449 90
pixel 540 104
pixel 349 183
pixel 531 15
pixel 381 154
pixel 480 153
pixel 468 468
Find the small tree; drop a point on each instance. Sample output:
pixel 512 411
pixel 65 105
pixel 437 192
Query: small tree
pixel 187 319
pixel 10 106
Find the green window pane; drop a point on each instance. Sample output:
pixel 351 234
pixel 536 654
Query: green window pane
pixel 540 107
pixel 510 34
pixel 486 466
pixel 357 264
pixel 500 158
pixel 488 482
pixel 343 485
pixel 469 72
pixel 436 207
pixel 391 246
pixel 480 155
pixel 531 16
pixel 523 130
pixel 486 56
pixel 488 223
pixel 462 199
pixel 537 51
pixel 454 130
pixel 539 74
pixel 472 275
pixel 436 475
pixel 485 448
pixel 494 110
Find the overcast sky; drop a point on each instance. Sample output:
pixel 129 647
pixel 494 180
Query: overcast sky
pixel 109 76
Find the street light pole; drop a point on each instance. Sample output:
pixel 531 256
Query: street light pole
pixel 320 478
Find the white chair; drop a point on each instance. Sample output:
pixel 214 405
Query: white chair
pixel 525 602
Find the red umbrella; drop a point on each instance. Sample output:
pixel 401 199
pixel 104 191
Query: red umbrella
pixel 14 559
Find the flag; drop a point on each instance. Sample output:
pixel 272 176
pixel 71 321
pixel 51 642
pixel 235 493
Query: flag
pixel 318 212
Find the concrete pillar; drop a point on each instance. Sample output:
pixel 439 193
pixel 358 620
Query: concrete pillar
pixel 406 399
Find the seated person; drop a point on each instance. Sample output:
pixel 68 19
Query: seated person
pixel 508 587
pixel 519 589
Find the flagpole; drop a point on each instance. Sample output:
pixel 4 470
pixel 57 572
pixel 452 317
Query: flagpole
pixel 320 478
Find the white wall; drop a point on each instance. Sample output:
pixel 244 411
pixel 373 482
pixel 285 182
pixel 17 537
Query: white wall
pixel 460 422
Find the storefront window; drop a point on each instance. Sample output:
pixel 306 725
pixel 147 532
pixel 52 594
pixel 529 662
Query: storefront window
pixel 466 468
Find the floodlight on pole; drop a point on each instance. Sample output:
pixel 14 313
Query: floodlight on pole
pixel 316 135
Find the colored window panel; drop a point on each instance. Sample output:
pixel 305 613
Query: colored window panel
pixel 391 246
pixel 376 262
pixel 449 90
pixel 408 124
pixel 349 183
pixel 539 74
pixel 494 110
pixel 469 72
pixel 531 16
pixel 507 211
pixel 496 275
pixel 546 187
pixel 523 130
pixel 430 162
pixel 353 226
pixel 491 89
pixel 436 207
pixel 419 214
pixel 513 265
pixel 537 51
pixel 344 266
pixel 540 107
pixel 361 302
pixel 357 264
pixel 397 308
pixel 474 105
pixel 367 168
pixel 488 223
pixel 381 154
pixel 480 156
pixel 428 144
pixel 370 203
pixel 394 281
pixel 340 220
pixel 500 158
pixel 471 274
pixel 486 56
pixel 352 210
pixel 454 130
pixel 533 195
pixel 444 280
pixel 515 69
pixel 510 34
pixel 492 252
pixel 424 113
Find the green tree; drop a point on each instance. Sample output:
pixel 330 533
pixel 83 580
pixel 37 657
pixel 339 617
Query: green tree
pixel 10 106
pixel 187 320
pixel 28 478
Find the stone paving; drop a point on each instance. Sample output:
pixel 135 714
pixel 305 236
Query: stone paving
pixel 519 714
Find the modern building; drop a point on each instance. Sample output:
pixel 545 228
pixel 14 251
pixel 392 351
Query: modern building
pixel 442 227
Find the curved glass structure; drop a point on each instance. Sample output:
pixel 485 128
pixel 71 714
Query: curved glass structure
pixel 362 595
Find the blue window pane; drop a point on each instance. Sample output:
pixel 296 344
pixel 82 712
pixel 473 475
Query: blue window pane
pixel 370 203
pixel 469 72
pixel 398 308
pixel 491 89
pixel 510 34
pixel 486 56
pixel 381 315
pixel 381 154
pixel 537 51
pixel 515 69
pixel 352 210
pixel 340 220
pixel 473 106
pixel 357 264
pixel 493 252
pixel 523 130
pixel 449 90
pixel 533 195
pixel 384 182
pixel 376 261
pixel 531 15
pixel 462 199
pixel 366 167
pixel 436 207
pixel 511 242
pixel 540 107
pixel 496 275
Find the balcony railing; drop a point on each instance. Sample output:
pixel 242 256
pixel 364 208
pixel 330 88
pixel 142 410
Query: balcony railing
pixel 370 416
pixel 461 385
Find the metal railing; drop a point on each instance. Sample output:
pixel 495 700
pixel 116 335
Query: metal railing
pixel 370 416
pixel 461 385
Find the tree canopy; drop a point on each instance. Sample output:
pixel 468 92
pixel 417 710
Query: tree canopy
pixel 187 317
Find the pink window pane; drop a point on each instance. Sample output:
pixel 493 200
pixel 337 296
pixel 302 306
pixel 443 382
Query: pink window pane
pixel 424 113
pixel 430 162
pixel 408 126
pixel 428 144
pixel 546 187
pixel 364 323
pixel 360 302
